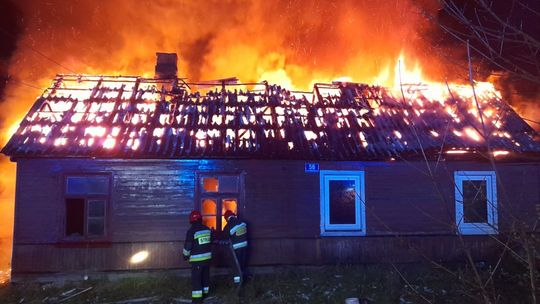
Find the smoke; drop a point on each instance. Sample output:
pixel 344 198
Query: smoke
pixel 523 97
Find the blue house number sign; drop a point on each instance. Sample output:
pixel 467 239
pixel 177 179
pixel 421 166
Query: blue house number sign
pixel 311 168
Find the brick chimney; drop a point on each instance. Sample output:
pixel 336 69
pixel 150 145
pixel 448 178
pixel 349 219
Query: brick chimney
pixel 166 65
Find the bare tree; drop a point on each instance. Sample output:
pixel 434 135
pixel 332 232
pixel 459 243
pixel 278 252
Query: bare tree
pixel 505 33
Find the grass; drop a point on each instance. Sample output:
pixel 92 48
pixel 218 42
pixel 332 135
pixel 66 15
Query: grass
pixel 330 284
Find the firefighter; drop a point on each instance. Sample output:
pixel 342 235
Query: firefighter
pixel 197 249
pixel 236 232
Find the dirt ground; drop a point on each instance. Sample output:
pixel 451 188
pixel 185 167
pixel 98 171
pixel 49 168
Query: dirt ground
pixel 333 284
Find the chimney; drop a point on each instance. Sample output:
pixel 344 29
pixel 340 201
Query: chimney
pixel 166 65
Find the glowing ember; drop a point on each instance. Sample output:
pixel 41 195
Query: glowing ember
pixel 457 152
pixel 457 133
pixel 500 153
pixel 95 131
pixel 310 135
pixel 473 134
pixel 5 275
pixel 109 143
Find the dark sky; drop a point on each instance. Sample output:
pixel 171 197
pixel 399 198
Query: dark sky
pixel 521 14
pixel 11 21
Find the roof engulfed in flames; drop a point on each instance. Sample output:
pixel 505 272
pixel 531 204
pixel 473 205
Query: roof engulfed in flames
pixel 134 117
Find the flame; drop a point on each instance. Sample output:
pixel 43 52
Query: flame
pixel 5 275
pixel 13 128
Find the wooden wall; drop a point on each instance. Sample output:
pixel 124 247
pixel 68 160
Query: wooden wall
pixel 150 201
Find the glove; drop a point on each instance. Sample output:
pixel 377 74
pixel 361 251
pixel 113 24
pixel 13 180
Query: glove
pixel 185 257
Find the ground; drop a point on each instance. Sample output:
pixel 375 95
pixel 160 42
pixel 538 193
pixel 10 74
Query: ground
pixel 330 284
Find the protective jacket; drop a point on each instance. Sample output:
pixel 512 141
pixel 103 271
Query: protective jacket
pixel 236 231
pixel 197 247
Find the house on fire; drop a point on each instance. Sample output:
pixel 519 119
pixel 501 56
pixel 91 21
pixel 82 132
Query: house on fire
pixel 109 167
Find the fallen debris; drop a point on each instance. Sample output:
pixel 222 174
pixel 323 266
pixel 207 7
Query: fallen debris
pixel 67 295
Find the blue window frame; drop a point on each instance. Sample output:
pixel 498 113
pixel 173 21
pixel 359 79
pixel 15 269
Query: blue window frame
pixel 342 203
pixel 476 202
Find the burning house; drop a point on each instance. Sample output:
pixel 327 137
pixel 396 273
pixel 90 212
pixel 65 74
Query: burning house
pixel 108 167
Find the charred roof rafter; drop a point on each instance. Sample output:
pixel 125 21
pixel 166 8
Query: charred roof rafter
pixel 129 116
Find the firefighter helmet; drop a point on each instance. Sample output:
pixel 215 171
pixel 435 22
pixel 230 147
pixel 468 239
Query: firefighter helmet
pixel 194 216
pixel 228 214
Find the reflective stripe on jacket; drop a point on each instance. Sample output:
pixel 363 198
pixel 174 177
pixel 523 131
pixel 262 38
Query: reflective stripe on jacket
pixel 197 246
pixel 236 231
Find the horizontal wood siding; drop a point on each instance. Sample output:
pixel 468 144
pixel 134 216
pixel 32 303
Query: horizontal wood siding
pixel 51 258
pixel 401 199
pixel 150 201
pixel 306 251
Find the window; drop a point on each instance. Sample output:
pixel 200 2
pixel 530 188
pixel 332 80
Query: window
pixel 86 200
pixel 342 203
pixel 218 194
pixel 476 202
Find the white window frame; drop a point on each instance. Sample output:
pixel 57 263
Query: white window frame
pixel 357 229
pixel 489 227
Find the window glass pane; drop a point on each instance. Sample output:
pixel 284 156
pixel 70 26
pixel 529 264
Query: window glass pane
pixel 210 221
pixel 74 217
pixel 228 204
pixel 208 207
pixel 228 184
pixel 96 226
pixel 475 201
pixel 97 184
pixel 76 185
pixel 210 184
pixel 96 208
pixel 87 185
pixel 342 202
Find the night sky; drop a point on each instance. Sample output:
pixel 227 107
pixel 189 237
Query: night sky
pixel 11 22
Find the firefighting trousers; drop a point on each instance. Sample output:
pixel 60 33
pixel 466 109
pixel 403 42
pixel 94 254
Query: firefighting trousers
pixel 241 256
pixel 200 281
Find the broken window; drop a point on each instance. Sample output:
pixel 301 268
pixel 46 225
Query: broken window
pixel 342 207
pixel 476 202
pixel 74 217
pixel 217 195
pixel 86 200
